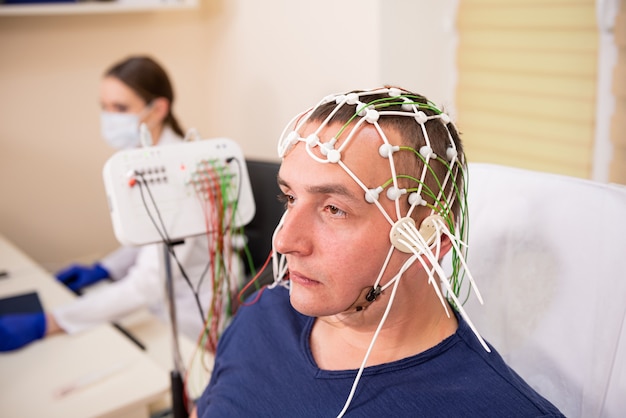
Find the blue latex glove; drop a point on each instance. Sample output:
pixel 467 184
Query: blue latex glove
pixel 78 276
pixel 17 330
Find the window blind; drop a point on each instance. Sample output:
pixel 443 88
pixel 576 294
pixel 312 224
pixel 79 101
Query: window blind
pixel 617 171
pixel 526 89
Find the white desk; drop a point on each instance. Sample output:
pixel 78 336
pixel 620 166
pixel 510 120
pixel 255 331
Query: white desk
pixel 29 377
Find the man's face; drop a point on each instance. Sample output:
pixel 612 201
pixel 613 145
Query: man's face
pixel 335 242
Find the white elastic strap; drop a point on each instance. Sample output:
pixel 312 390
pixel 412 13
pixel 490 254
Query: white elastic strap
pixel 443 279
pixel 374 338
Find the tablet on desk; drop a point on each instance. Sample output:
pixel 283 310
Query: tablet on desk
pixel 22 303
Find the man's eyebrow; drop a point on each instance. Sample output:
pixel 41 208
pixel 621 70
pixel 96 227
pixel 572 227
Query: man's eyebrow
pixel 330 188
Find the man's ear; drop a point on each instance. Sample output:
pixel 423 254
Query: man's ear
pixel 428 230
pixel 446 246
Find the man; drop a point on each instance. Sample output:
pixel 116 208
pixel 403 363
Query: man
pixel 374 188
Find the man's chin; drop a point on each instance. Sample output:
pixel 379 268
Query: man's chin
pixel 307 303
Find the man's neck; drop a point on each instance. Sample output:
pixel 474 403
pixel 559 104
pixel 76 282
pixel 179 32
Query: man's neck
pixel 341 342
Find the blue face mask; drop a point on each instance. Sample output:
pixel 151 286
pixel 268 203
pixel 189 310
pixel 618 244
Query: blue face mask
pixel 120 130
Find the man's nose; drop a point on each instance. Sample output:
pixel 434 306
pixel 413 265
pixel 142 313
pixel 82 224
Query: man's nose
pixel 293 237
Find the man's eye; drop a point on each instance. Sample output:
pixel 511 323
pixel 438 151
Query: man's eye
pixel 334 210
pixel 285 199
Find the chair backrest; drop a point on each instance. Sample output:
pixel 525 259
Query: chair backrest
pixel 547 253
pixel 268 209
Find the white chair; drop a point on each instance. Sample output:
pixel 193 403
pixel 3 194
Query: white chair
pixel 548 254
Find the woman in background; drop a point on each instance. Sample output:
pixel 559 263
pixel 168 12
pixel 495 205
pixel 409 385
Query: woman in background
pixel 134 91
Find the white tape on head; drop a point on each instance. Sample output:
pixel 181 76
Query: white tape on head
pixel 428 231
pixel 395 236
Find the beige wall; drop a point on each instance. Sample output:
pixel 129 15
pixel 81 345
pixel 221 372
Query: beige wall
pixel 241 69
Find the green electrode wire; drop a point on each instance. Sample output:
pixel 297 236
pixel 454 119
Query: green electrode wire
pixel 456 278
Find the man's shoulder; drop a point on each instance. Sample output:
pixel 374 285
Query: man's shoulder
pixel 266 317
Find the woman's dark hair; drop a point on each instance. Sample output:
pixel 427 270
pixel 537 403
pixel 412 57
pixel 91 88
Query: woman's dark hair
pixel 149 80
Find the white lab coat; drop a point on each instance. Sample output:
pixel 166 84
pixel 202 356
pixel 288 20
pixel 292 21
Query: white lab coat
pixel 139 281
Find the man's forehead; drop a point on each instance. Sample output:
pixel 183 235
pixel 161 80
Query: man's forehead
pixel 334 187
pixel 299 169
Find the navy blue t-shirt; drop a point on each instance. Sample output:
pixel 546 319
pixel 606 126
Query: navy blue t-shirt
pixel 264 368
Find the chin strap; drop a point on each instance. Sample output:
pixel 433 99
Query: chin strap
pixel 365 298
